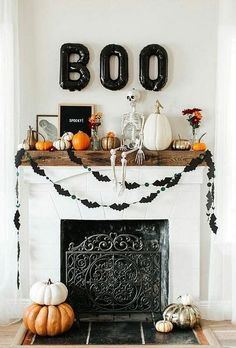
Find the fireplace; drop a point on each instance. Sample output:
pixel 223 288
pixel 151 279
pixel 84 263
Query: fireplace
pixel 115 266
pixel 178 208
pixel 172 226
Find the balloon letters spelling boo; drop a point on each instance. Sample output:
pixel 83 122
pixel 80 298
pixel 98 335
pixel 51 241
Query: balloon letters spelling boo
pixel 144 62
pixel 68 68
pixel 105 76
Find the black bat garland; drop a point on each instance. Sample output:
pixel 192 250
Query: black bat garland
pixel 89 204
pixel 161 182
pixel 174 181
pixel 149 198
pixel 61 191
pixel 36 168
pixel 18 157
pixel 163 185
pixel 119 207
pixel 73 158
pixel 100 177
pixel 131 185
pixel 213 224
pixel 16 219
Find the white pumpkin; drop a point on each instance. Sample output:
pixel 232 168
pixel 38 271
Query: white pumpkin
pixel 186 299
pixel 68 136
pixel 48 293
pixel 164 326
pixel 24 146
pixel 157 131
pixel 62 144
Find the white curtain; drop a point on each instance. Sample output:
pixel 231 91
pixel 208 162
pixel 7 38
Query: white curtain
pixel 8 139
pixel 222 285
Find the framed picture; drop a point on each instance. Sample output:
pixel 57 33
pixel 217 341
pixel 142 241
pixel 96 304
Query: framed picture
pixel 74 117
pixel 47 125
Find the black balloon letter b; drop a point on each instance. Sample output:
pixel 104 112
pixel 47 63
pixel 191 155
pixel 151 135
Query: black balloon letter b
pixel 67 67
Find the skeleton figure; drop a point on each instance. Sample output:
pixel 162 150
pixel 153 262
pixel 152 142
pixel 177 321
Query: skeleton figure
pixel 131 138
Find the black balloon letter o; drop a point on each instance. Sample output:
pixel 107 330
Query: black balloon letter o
pixel 79 67
pixel 144 61
pixel 105 76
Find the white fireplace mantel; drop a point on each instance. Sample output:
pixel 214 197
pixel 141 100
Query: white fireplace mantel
pixel 43 208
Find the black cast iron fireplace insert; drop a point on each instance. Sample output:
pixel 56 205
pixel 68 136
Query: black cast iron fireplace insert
pixel 115 266
pixel 116 272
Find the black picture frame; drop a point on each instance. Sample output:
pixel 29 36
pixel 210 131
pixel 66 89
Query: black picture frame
pixel 74 118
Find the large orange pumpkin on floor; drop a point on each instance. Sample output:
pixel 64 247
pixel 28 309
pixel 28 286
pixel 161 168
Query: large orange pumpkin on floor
pixel 81 141
pixel 48 320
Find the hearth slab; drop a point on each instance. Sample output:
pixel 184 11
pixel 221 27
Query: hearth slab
pixel 177 336
pixel 115 333
pixel 108 333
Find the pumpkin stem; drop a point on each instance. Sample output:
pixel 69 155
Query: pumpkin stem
pixel 179 137
pixel 49 282
pixel 158 106
pixel 201 137
pixel 40 134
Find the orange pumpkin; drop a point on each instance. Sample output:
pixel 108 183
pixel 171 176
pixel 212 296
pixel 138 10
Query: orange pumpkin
pixel 81 141
pixel 43 145
pixel 48 320
pixel 199 146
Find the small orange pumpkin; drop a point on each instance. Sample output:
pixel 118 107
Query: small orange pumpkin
pixel 199 146
pixel 43 145
pixel 81 141
pixel 48 320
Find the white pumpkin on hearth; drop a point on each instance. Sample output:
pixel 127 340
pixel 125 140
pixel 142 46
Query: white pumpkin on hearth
pixel 48 293
pixel 157 131
pixel 186 299
pixel 164 326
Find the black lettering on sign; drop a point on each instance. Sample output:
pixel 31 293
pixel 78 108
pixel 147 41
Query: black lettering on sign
pixel 67 67
pixel 144 62
pixel 105 75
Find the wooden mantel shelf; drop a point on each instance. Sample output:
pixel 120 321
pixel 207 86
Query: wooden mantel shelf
pixel 102 158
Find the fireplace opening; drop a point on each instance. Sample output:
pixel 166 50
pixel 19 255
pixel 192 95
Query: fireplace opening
pixel 114 267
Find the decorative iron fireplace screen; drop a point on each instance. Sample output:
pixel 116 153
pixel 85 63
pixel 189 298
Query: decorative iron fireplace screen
pixel 115 266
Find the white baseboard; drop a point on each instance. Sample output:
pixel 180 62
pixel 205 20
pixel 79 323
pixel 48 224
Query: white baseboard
pixel 218 310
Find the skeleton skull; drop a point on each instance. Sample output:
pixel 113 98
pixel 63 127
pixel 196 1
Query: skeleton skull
pixel 133 96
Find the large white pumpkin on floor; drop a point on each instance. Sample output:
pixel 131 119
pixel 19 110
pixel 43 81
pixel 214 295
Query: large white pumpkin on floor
pixel 48 293
pixel 157 131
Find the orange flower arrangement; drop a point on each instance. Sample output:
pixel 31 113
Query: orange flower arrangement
pixel 194 118
pixel 95 120
pixel 94 123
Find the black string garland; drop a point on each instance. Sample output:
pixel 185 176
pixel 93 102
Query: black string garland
pixel 162 185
